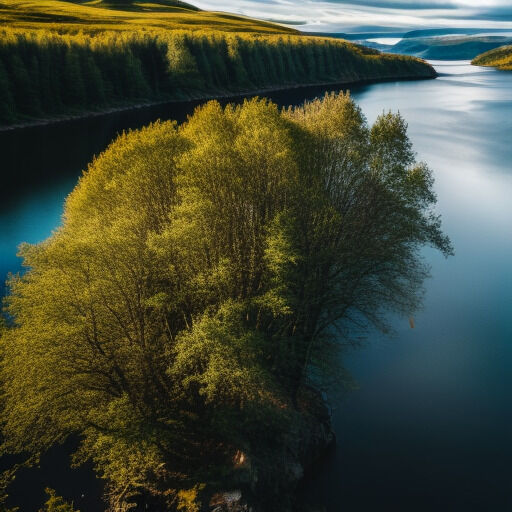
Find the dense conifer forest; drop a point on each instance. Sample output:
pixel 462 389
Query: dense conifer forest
pixel 50 69
pixel 46 74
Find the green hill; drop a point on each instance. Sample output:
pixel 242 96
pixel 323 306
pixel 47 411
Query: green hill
pixel 500 58
pixel 99 15
pixel 136 5
pixel 438 32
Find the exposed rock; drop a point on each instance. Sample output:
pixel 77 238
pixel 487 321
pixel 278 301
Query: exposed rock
pixel 229 502
pixel 308 443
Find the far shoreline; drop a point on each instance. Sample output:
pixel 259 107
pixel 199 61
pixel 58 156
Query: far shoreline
pixel 133 107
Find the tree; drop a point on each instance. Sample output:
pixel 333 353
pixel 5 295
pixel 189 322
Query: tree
pixel 364 215
pixel 202 277
pixel 183 68
pixel 22 88
pixel 74 93
pixel 94 84
pixel 7 106
pixel 56 503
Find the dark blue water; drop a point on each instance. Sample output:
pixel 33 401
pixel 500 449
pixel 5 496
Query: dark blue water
pixel 430 427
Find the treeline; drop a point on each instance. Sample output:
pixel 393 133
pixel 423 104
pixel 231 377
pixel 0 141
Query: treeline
pixel 43 73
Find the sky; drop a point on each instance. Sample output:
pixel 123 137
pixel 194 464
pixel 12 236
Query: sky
pixel 367 15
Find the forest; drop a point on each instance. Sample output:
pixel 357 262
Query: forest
pixel 45 74
pixel 200 290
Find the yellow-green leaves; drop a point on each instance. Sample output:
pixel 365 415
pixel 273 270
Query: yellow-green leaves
pixel 56 503
pixel 201 277
pixel 49 72
pixel 239 172
pixel 500 58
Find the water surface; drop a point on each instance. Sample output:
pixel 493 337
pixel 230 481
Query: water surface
pixel 430 427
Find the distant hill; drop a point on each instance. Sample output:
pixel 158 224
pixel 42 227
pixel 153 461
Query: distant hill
pixel 449 47
pixel 500 58
pixel 357 36
pixel 433 44
pixel 137 5
pixel 433 32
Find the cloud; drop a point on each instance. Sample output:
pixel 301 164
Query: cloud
pixel 396 4
pixel 352 15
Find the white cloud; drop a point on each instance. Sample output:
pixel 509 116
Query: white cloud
pixel 349 15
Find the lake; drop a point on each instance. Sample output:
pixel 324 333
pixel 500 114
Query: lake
pixel 430 425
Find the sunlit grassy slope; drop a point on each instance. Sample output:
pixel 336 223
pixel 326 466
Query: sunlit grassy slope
pixel 136 5
pixel 500 58
pixel 98 15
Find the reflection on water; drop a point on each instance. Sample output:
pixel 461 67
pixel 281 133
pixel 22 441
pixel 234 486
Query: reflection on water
pixel 385 40
pixel 431 426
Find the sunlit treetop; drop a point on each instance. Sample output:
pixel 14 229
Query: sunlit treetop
pixel 204 277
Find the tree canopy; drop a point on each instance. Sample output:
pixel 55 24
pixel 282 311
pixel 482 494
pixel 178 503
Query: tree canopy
pixel 202 277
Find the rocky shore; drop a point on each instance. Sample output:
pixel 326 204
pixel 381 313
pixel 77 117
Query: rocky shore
pixel 260 489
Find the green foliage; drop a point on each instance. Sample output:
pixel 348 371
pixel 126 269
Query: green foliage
pixel 500 58
pixel 188 499
pixel 56 503
pixel 203 277
pixel 46 73
pixel 6 477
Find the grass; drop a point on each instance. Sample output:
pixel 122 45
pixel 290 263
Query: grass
pixel 99 15
pixel 500 58
pixel 136 5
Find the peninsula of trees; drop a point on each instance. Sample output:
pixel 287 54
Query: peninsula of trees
pixel 60 58
pixel 203 280
pixel 500 58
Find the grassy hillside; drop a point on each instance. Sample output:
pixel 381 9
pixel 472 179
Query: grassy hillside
pixel 136 5
pixel 100 15
pixel 449 47
pixel 64 58
pixel 500 58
